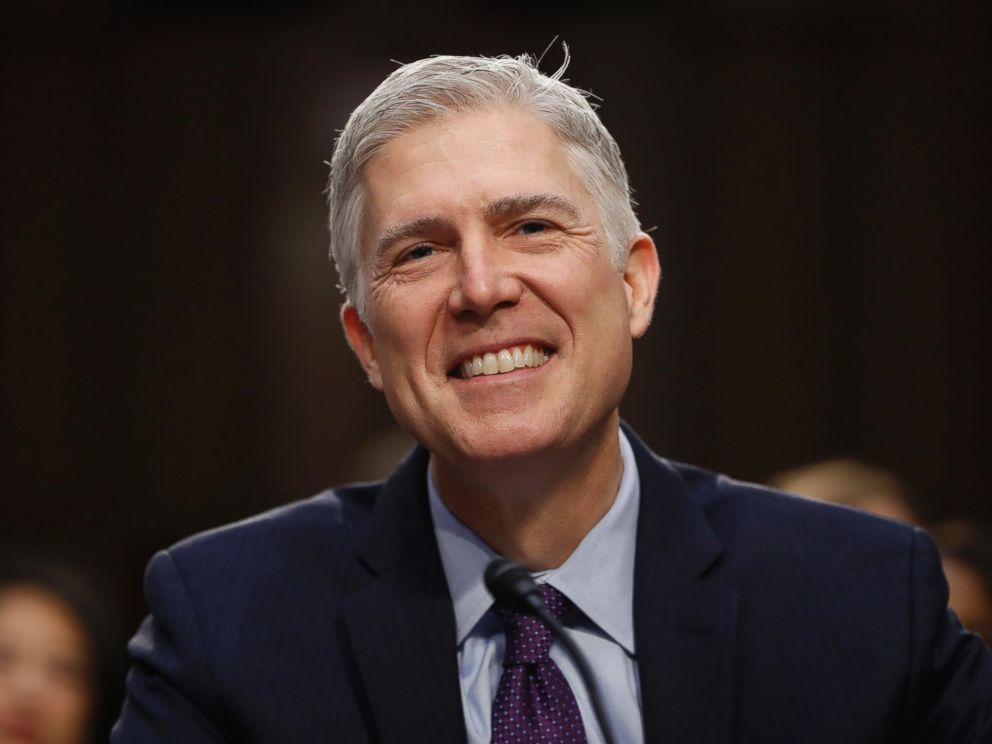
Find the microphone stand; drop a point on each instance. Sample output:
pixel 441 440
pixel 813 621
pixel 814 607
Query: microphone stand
pixel 512 586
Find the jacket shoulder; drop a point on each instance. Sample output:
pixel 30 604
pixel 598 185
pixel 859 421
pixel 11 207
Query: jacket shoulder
pixel 291 539
pixel 339 511
pixel 739 510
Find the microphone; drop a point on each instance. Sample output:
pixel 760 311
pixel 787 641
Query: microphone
pixel 514 588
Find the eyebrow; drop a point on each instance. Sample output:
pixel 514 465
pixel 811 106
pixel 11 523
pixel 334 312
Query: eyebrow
pixel 410 229
pixel 517 204
pixel 503 208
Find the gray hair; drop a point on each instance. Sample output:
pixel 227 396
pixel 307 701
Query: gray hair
pixel 423 91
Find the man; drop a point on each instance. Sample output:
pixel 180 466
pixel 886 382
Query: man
pixel 495 277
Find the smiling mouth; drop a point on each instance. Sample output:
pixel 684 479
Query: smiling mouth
pixel 502 361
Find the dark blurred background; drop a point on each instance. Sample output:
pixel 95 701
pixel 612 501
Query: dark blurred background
pixel 171 358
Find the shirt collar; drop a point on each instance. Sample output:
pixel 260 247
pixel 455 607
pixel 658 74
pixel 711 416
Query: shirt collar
pixel 602 588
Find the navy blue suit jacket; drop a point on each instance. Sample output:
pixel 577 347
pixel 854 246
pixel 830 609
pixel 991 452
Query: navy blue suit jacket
pixel 759 618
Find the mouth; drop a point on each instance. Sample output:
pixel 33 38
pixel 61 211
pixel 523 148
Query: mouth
pixel 502 361
pixel 21 729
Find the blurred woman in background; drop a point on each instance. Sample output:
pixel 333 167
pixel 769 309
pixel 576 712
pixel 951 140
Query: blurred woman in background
pixel 60 678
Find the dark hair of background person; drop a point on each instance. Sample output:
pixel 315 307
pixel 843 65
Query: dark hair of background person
pixel 109 664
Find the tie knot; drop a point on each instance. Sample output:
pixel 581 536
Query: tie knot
pixel 528 641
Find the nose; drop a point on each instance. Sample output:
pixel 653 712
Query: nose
pixel 484 280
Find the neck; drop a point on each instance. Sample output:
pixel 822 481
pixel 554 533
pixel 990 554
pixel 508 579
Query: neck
pixel 536 510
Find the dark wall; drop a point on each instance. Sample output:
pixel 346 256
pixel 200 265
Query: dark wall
pixel 171 359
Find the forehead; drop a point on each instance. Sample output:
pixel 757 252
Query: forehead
pixel 33 617
pixel 463 160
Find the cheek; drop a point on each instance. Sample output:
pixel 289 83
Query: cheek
pixel 69 712
pixel 403 329
pixel 399 348
pixel 610 311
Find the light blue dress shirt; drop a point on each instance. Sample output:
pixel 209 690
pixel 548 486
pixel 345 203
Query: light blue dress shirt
pixel 599 579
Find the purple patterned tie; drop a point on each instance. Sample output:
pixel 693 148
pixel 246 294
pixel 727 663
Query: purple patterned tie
pixel 534 704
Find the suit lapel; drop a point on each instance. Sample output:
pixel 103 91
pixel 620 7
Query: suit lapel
pixel 401 626
pixel 684 621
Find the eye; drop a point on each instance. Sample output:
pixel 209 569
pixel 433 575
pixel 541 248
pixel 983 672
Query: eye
pixel 532 228
pixel 418 252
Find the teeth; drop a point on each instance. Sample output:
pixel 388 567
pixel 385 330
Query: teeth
pixel 505 360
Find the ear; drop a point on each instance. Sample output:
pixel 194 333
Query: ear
pixel 361 342
pixel 641 277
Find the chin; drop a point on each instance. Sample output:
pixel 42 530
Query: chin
pixel 495 444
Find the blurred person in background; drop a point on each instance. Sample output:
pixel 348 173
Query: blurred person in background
pixel 60 661
pixel 852 483
pixel 379 454
pixel 966 550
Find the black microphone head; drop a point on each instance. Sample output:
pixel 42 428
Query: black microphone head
pixel 512 587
